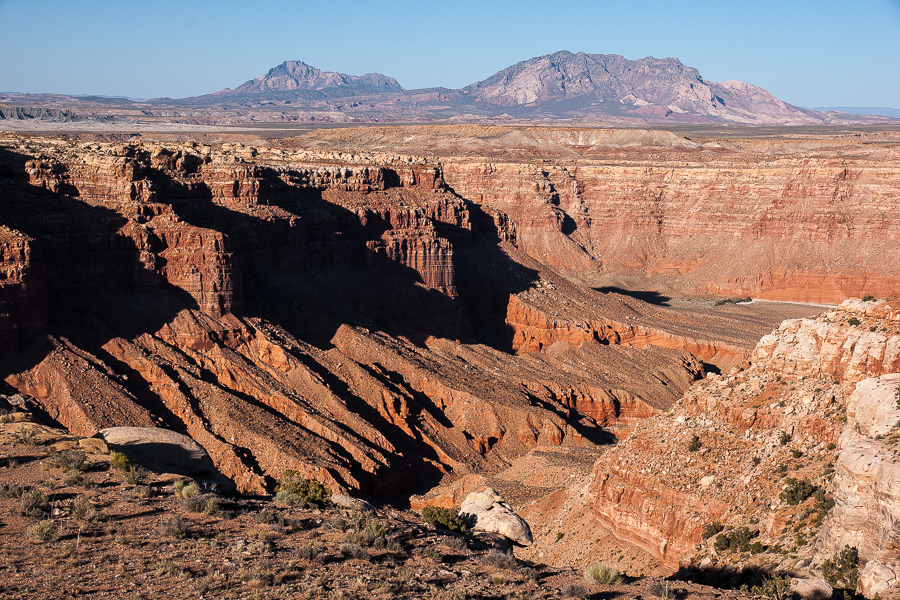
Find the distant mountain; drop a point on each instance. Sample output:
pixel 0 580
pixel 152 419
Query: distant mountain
pixel 884 111
pixel 574 88
pixel 650 87
pixel 295 78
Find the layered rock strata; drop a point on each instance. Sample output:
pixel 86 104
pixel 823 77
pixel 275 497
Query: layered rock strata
pixel 347 319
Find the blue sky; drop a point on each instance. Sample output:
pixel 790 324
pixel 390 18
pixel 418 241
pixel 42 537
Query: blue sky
pixel 810 53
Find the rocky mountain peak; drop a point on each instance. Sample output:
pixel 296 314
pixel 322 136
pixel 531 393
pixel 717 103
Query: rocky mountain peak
pixel 295 75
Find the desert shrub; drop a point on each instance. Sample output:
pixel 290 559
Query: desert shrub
pixel 757 548
pixel 454 543
pixel 602 574
pixel 661 590
pixel 308 490
pixel 796 453
pixel 735 540
pixel 841 571
pixel 444 518
pixel 499 560
pixel 695 443
pixel 82 509
pixel 144 491
pixel 43 531
pixel 10 490
pixel 868 298
pixel 776 588
pixel 853 321
pixel 796 491
pixel 354 551
pixel 784 438
pixel 174 526
pixel 119 461
pixel 367 532
pixel 309 552
pixel 268 516
pixel 72 477
pixel 70 460
pixel 574 590
pixel 25 436
pixel 194 504
pixel 211 506
pixel 428 552
pixel 135 475
pixel 896 402
pixel 711 529
pixel 190 490
pixel 167 567
pixel 33 501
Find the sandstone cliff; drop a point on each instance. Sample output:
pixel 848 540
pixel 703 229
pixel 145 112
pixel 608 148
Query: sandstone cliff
pixel 354 319
pixel 808 218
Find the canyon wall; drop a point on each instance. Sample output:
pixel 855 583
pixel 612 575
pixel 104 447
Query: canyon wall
pixel 788 215
pixel 348 318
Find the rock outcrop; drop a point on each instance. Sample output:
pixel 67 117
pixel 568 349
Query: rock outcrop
pixel 488 512
pixel 867 485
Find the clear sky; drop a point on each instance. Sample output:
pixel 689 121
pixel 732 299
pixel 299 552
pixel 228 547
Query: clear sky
pixel 806 52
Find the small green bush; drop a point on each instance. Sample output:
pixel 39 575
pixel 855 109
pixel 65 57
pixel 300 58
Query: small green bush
pixel 868 298
pixel 842 570
pixel 119 461
pixel 736 540
pixel 776 588
pixel 444 518
pixel 757 548
pixel 190 490
pixel 796 453
pixel 43 531
pixel 784 438
pixel 368 532
pixel 695 444
pixel 309 490
pixel 853 321
pixel 796 491
pixel 897 396
pixel 602 575
pixel 711 529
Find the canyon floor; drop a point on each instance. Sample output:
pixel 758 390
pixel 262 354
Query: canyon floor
pixel 412 313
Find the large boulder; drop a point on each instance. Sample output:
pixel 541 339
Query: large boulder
pixel 164 451
pixel 878 578
pixel 487 511
pixel 811 588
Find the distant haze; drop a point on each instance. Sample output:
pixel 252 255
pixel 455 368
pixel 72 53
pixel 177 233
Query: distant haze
pixel 809 53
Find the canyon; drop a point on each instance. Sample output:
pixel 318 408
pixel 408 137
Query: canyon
pixel 411 312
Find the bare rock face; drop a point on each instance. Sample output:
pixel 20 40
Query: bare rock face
pixel 831 345
pixel 658 489
pixel 490 513
pixel 161 450
pixel 867 484
pixel 811 588
pixel 342 317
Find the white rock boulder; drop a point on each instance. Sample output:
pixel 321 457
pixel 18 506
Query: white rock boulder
pixel 490 513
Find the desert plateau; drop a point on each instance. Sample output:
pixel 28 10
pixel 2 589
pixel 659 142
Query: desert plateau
pixel 590 325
